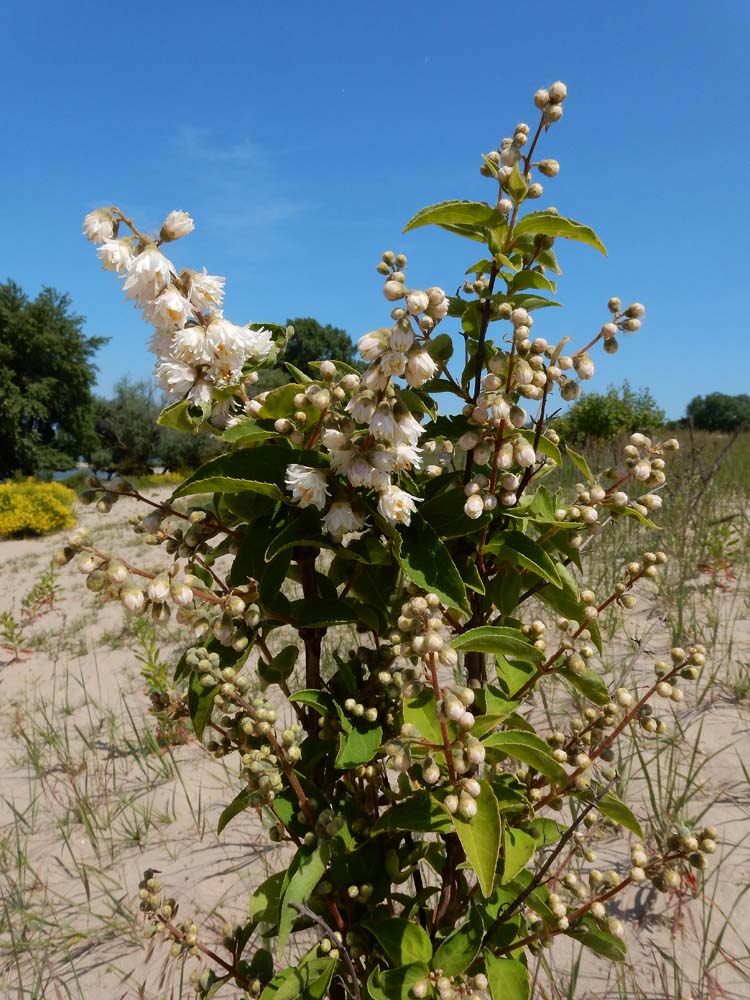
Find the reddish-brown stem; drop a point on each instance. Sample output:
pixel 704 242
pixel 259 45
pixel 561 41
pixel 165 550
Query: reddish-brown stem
pixel 443 725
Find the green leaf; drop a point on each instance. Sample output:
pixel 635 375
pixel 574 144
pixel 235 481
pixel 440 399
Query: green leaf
pixel 200 703
pixel 515 547
pixel 551 224
pixel 264 902
pixel 320 701
pixel 177 415
pixel 246 432
pixel 445 513
pixel 420 813
pixel 566 601
pixel 480 837
pixel 458 950
pixel 588 682
pixel 531 750
pixel 580 463
pixel 508 978
pixel 307 981
pixel 307 869
pixel 280 667
pixel 587 931
pixel 322 612
pixel 402 941
pixel 531 279
pixel 239 804
pixel 497 639
pixel 427 562
pixel 531 302
pixel 517 186
pixel 518 848
pixel 452 213
pixel 420 712
pixel 396 984
pixel 304 529
pixel 259 470
pixel 613 808
pixel 440 347
pixel 358 744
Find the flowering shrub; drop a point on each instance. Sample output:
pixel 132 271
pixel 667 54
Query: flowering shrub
pixel 424 568
pixel 34 508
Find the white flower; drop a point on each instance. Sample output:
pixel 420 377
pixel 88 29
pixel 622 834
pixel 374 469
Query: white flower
pixel 258 343
pixel 392 363
pixel 341 519
pixel 383 425
pixel 409 430
pixel 168 309
pixel 407 457
pixel 177 378
pixel 373 344
pixel 396 505
pixel 339 446
pixel 401 339
pixel 360 472
pixel 115 255
pixel 361 407
pixel 148 274
pixel 439 304
pixel 175 225
pixel 236 344
pixel 375 378
pixel 417 302
pixel 202 392
pixel 307 486
pixel 206 291
pixel 189 346
pixel 523 453
pixel 99 225
pixel 419 367
pixel 160 344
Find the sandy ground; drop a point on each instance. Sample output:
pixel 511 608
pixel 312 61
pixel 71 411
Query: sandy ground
pixel 87 804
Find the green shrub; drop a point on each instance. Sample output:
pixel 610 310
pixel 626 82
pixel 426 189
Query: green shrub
pixel 604 416
pixel 34 508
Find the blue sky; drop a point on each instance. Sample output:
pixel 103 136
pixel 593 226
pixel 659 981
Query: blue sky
pixel 302 136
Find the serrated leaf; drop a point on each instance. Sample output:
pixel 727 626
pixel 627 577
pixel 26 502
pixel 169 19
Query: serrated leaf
pixel 177 415
pixel 518 848
pixel 420 813
pixel 613 808
pixel 259 470
pixel 588 682
pixel 531 750
pixel 551 224
pixel 587 931
pixel 428 563
pixel 308 868
pixel 420 712
pixel 200 704
pixel 246 432
pixel 453 213
pixel 358 745
pixel 580 463
pixel 456 953
pixel 497 639
pixel 515 547
pixel 302 530
pixel 508 978
pixel 396 984
pixel 480 837
pixel 402 941
pixel 239 804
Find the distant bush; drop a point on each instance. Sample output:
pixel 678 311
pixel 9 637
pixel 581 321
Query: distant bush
pixel 603 416
pixel 719 412
pixel 34 508
pixel 156 479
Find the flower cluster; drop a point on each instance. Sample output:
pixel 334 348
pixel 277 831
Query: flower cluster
pixel 198 351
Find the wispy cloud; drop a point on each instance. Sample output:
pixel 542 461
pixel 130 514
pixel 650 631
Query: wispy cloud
pixel 202 144
pixel 272 211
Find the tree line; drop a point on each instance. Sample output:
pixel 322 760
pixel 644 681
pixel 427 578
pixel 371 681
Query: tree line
pixel 51 416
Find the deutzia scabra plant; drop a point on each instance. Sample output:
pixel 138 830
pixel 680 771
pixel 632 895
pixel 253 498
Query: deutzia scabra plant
pixel 424 571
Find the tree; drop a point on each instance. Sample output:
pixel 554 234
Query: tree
pixel 719 412
pixel 603 416
pixel 126 428
pixel 46 380
pixel 311 342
